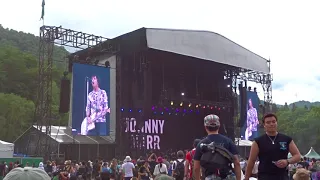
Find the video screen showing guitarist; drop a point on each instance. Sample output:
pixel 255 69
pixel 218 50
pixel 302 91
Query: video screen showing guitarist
pixel 94 124
pixel 252 122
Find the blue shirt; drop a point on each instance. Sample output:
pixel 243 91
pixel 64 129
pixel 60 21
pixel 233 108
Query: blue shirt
pixel 217 139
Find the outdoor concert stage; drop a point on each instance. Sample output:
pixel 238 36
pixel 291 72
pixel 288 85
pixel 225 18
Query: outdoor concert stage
pixel 163 83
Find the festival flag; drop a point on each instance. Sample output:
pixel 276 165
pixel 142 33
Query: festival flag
pixel 42 13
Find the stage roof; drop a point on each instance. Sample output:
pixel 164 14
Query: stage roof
pixel 205 45
pixel 63 135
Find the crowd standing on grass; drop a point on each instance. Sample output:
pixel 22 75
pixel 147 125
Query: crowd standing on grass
pixel 214 157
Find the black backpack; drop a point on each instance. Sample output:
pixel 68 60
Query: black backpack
pixel 179 170
pixel 216 158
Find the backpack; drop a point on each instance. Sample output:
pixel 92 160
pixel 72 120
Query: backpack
pixel 216 158
pixel 179 170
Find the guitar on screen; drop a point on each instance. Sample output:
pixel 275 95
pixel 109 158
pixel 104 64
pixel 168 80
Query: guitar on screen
pixel 88 125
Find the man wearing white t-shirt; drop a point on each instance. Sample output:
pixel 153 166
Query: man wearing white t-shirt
pixel 128 168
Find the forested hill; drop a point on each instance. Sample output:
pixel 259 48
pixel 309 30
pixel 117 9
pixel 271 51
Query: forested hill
pixel 29 43
pixel 19 56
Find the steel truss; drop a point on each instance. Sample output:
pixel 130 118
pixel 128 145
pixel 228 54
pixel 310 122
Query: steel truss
pixel 49 36
pixel 262 78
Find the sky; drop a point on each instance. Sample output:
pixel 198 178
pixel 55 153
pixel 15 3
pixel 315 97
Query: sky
pixel 287 32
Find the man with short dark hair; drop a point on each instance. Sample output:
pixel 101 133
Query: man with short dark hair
pixel 272 149
pixel 212 125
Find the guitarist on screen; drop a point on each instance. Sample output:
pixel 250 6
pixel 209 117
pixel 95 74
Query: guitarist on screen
pixel 94 123
pixel 252 122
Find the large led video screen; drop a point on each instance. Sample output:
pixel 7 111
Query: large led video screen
pixel 90 100
pixel 250 129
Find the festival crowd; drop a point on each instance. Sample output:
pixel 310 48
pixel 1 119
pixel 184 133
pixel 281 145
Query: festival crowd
pixel 213 158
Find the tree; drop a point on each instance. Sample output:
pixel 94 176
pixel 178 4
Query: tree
pixel 19 82
pixel 16 116
pixel 302 125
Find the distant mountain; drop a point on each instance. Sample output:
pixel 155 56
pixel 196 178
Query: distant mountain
pixel 27 42
pixel 304 104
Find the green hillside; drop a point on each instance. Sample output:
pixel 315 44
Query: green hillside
pixel 305 104
pixel 19 82
pixel 29 43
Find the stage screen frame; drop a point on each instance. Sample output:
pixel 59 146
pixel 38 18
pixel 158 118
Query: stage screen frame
pixel 82 76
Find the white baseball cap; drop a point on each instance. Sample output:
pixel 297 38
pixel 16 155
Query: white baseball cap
pixel 27 173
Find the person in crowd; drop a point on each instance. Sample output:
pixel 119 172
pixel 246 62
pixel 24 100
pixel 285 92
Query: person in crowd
pixel 302 174
pixel 188 168
pixel 2 170
pixel 212 125
pixel 152 161
pixel 178 166
pixel 144 172
pixel 67 170
pixel 10 167
pixel 160 168
pixel 272 149
pixel 304 163
pixel 82 171
pixel 165 161
pixel 40 166
pixel 96 168
pixel 128 168
pixel 114 169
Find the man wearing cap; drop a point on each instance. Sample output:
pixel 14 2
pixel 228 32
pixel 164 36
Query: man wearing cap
pixel 27 173
pixel 128 168
pixel 212 125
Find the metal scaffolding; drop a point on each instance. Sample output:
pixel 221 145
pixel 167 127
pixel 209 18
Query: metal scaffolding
pixel 49 36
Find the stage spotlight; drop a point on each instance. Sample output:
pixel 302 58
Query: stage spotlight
pixel 107 64
pixel 190 104
pixel 182 94
pixel 181 104
pixel 197 106
pixel 228 85
pixel 171 103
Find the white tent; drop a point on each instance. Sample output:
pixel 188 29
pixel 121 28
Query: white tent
pixel 6 149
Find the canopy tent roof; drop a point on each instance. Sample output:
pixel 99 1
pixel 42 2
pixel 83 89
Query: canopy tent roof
pixel 63 135
pixel 6 146
pixel 312 154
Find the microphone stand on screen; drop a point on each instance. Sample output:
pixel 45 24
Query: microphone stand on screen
pixel 86 87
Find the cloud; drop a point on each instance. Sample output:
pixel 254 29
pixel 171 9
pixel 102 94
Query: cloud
pixel 286 31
